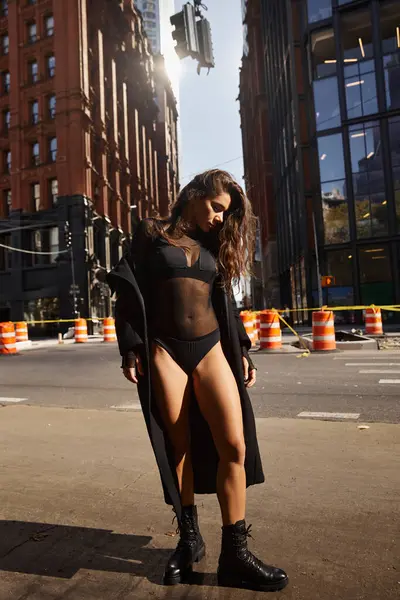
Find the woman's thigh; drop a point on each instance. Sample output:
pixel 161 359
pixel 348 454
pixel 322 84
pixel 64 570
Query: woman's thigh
pixel 219 401
pixel 172 393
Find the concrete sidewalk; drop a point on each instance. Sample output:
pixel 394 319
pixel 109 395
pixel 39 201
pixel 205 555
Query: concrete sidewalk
pixel 82 517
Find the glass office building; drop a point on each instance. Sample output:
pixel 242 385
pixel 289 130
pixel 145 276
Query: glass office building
pixel 332 70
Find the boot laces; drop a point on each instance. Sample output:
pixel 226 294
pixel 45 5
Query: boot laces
pixel 187 533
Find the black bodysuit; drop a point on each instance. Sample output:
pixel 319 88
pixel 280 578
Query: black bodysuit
pixel 180 313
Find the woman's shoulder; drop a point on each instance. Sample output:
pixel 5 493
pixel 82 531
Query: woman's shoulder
pixel 150 227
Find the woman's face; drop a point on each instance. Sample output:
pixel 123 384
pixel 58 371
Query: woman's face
pixel 209 213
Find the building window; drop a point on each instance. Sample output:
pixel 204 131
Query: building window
pixel 35 154
pixel 4 8
pixel 375 275
pixel 7 161
pixel 49 25
pixel 33 71
pixel 325 85
pixel 359 69
pixel 390 33
pixel 5 44
pixel 319 10
pixel 34 112
pixel 53 149
pixel 53 191
pixel 6 120
pixel 31 32
pixel 35 192
pixel 333 189
pixel 6 82
pixel 394 140
pixel 51 105
pixel 51 65
pixel 31 2
pixel 7 202
pixel 5 254
pixel 368 180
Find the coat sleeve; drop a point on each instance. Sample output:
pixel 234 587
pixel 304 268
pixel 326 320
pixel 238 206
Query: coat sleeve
pixel 244 339
pixel 129 341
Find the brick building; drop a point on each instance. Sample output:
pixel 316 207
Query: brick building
pixel 81 150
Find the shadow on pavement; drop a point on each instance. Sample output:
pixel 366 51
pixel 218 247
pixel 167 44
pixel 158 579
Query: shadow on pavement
pixel 62 550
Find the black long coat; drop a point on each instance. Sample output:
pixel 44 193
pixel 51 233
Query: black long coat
pixel 131 327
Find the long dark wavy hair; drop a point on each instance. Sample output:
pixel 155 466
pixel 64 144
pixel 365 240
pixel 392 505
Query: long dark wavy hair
pixel 233 244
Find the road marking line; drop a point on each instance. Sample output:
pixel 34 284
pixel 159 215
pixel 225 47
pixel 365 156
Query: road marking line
pixel 329 415
pixel 135 406
pixel 374 364
pixel 12 400
pixel 389 381
pixel 387 371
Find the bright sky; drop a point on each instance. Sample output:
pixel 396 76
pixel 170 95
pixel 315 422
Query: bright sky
pixel 209 113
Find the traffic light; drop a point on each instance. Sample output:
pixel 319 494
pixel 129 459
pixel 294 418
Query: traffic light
pixel 327 281
pixel 185 33
pixel 206 58
pixel 67 235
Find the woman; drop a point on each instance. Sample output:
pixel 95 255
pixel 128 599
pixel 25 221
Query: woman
pixel 185 347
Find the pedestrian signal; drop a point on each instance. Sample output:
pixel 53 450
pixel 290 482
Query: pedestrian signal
pixel 328 281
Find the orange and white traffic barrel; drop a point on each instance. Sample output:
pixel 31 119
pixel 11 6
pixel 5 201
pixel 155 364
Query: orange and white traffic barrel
pixel 373 321
pixel 271 335
pixel 323 330
pixel 81 335
pixel 258 325
pixel 249 325
pixel 21 331
pixel 109 330
pixel 7 339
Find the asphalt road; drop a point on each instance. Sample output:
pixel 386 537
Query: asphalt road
pixel 88 376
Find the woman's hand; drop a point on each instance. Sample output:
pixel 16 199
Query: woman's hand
pixel 250 375
pixel 131 372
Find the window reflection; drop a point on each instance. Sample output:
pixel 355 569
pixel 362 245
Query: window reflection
pixel 394 139
pixel 331 163
pixel 326 102
pixel 319 10
pixel 390 32
pixel 333 189
pixel 368 180
pixel 335 212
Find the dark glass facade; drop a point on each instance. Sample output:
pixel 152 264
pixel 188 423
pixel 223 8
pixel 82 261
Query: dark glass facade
pixel 332 71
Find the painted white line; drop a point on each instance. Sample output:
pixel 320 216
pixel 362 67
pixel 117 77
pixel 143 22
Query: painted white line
pixel 383 371
pixel 329 415
pixel 135 406
pixel 374 364
pixel 12 400
pixel 389 381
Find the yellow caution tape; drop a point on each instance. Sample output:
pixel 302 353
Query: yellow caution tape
pixel 307 350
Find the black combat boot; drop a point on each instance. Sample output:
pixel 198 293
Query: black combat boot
pixel 238 567
pixel 190 548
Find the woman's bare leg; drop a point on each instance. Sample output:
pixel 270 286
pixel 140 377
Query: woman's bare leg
pixel 172 393
pixel 219 401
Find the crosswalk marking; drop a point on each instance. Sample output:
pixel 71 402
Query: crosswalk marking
pixel 383 371
pixel 329 415
pixel 389 381
pixel 373 364
pixel 12 400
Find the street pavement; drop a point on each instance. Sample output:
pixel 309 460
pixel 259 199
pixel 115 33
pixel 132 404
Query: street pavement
pixel 81 510
pixel 89 376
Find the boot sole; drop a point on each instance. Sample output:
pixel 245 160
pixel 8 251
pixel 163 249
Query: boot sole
pixel 231 582
pixel 181 577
